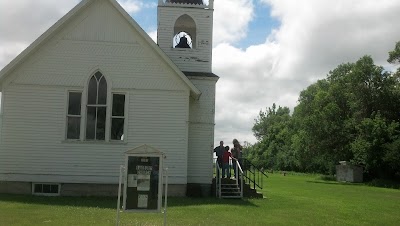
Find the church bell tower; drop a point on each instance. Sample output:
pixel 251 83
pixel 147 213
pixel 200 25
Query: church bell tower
pixel 185 33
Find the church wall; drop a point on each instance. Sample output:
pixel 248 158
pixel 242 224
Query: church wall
pixel 33 144
pixel 201 133
pixel 34 148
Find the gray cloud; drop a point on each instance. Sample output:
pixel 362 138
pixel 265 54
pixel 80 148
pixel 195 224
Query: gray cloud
pixel 22 21
pixel 25 20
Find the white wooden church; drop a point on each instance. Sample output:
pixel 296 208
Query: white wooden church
pixel 94 86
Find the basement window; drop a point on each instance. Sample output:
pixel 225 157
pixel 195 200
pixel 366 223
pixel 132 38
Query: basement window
pixel 46 189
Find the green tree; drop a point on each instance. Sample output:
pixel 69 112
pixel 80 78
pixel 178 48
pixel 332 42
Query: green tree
pixel 273 130
pixel 330 111
pixel 351 115
pixel 374 147
pixel 394 55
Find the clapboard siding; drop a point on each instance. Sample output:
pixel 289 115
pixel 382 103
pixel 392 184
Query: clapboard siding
pixel 34 141
pixel 197 59
pixel 1 125
pixel 98 38
pixel 34 144
pixel 128 66
pixel 102 22
pixel 159 110
pixel 203 110
pixel 200 153
pixel 201 133
pixel 163 124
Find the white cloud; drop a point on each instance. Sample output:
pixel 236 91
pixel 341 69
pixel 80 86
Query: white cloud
pixel 231 20
pixel 134 6
pixel 153 35
pixel 313 38
pixel 130 6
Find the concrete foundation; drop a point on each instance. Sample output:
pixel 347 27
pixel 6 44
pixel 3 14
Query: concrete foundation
pixel 25 188
pixel 10 187
pixel 198 190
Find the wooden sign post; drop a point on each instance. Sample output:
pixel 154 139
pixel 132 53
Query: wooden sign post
pixel 143 181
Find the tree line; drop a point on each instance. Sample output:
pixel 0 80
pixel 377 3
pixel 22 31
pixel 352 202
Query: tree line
pixel 351 115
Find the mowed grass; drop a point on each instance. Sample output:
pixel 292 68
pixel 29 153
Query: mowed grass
pixel 289 200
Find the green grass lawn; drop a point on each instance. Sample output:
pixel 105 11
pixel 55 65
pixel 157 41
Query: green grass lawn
pixel 290 200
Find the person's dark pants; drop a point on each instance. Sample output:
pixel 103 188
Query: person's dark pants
pixel 219 160
pixel 226 170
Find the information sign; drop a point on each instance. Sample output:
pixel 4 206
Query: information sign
pixel 143 183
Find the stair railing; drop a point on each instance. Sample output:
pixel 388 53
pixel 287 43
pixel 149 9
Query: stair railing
pixel 253 175
pixel 217 180
pixel 239 174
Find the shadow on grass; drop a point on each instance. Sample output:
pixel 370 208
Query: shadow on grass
pixel 111 202
pixel 383 183
pixel 380 183
pixel 208 201
pixel 99 202
pixel 334 183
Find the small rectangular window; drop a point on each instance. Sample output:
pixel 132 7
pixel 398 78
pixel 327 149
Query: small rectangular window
pixel 45 189
pixel 74 103
pixel 118 117
pixel 74 115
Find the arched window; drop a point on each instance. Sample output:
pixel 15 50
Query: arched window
pixel 184 32
pixel 96 108
pixel 98 121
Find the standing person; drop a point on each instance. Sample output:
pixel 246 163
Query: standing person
pixel 219 151
pixel 237 154
pixel 225 163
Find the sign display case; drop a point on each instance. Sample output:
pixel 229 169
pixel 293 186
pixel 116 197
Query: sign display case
pixel 143 179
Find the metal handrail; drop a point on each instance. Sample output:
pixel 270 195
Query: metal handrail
pixel 239 170
pixel 217 180
pixel 256 175
pixel 240 173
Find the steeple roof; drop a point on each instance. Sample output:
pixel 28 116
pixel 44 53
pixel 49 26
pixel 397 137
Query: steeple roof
pixel 196 2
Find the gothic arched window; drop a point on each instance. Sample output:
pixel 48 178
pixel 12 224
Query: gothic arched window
pixel 96 108
pixel 184 32
pixel 100 124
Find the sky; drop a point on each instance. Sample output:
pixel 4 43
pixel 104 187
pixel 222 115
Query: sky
pixel 264 51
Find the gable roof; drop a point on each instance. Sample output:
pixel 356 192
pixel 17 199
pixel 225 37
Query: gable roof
pixel 144 149
pixel 200 74
pixel 68 17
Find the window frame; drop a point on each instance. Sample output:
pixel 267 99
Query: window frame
pixel 97 106
pixel 73 116
pixel 43 193
pixel 108 117
pixel 123 117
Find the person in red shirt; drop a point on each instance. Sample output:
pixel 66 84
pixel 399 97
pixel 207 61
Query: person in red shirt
pixel 225 163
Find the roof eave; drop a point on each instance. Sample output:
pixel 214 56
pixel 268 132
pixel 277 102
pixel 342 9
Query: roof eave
pixel 52 30
pixel 194 91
